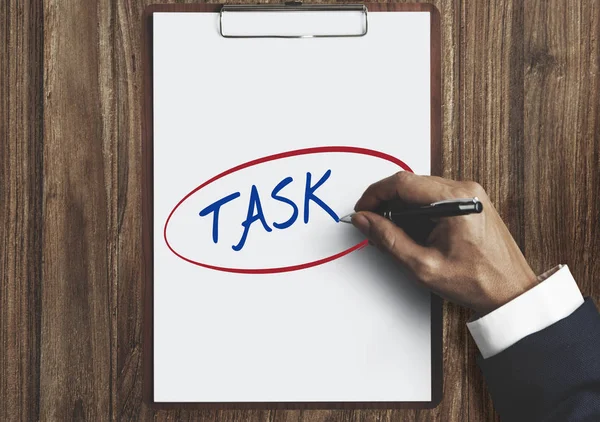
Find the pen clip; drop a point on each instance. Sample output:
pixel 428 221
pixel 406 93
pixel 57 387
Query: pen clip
pixel 456 201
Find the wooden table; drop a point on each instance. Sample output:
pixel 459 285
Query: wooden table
pixel 521 115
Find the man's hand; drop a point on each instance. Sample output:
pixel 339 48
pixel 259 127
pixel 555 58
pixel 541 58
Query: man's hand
pixel 471 260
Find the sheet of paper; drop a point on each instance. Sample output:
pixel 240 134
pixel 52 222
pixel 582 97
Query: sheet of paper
pixel 258 292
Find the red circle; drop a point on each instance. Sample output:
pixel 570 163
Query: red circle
pixel 304 151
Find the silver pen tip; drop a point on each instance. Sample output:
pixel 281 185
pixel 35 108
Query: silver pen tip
pixel 347 218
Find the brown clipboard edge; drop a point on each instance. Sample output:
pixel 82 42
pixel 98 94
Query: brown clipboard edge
pixel 148 211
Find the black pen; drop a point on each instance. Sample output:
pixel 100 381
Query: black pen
pixel 446 208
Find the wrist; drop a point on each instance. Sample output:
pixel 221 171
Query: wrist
pixel 511 289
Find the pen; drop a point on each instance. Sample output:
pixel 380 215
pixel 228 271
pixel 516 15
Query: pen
pixel 446 208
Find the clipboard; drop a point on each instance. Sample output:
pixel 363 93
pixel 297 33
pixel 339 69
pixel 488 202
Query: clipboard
pixel 224 14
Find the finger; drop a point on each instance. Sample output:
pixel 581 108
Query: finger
pixel 392 239
pixel 406 186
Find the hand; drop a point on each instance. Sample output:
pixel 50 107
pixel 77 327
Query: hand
pixel 471 260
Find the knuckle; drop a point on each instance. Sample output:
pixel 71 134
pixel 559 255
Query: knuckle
pixel 428 269
pixel 402 176
pixel 470 188
pixel 369 190
pixel 475 188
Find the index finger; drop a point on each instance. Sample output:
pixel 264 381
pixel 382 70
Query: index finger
pixel 407 187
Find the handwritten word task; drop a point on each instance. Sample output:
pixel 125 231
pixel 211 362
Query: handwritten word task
pixel 275 213
pixel 255 212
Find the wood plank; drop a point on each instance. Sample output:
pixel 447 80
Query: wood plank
pixel 21 78
pixel 490 143
pixel 79 222
pixel 127 85
pixel 562 121
pixel 126 56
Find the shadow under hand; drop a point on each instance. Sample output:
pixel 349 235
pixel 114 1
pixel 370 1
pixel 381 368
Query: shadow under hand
pixel 394 284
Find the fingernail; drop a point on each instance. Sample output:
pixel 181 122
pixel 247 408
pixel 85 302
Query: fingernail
pixel 361 223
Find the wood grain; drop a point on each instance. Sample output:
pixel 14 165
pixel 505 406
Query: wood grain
pixel 21 161
pixel 78 235
pixel 562 129
pixel 521 114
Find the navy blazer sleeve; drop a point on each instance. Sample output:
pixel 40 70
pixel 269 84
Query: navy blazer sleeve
pixel 551 375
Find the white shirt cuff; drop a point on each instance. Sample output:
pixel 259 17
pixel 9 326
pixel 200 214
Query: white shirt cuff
pixel 553 299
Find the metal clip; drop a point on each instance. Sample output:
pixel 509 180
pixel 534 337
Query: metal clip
pixel 294 6
pixel 474 200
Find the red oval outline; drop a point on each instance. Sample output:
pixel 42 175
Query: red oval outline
pixel 304 151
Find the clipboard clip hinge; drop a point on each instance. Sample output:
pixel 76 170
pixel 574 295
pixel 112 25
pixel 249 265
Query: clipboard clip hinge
pixel 296 6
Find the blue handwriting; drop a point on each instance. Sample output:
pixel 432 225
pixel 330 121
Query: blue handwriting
pixel 255 209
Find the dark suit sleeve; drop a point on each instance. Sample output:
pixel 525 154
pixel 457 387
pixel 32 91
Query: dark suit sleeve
pixel 551 375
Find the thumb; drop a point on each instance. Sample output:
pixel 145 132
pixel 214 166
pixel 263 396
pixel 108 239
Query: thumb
pixel 390 238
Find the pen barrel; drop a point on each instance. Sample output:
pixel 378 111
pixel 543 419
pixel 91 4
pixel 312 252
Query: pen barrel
pixel 434 211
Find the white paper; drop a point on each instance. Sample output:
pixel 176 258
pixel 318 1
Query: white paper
pixel 352 329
